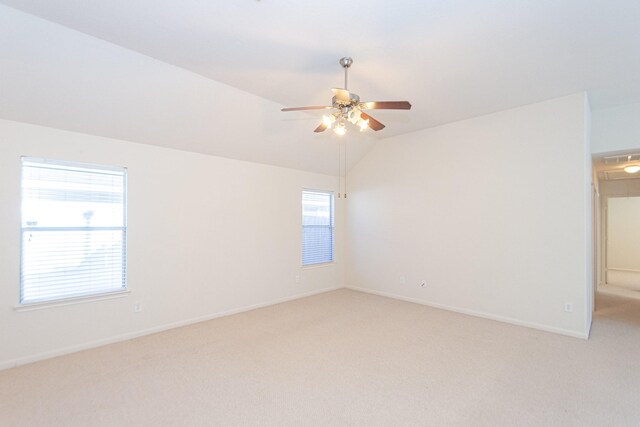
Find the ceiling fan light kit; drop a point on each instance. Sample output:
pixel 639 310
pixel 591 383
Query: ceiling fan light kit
pixel 349 108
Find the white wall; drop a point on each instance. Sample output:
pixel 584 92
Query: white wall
pixel 623 233
pixel 206 235
pixel 493 212
pixel 617 257
pixel 616 129
pixel 621 208
pixel 620 188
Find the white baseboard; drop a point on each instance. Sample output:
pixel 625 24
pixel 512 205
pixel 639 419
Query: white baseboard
pixel 475 313
pixel 123 337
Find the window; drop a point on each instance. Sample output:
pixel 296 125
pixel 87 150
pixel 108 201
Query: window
pixel 73 230
pixel 317 227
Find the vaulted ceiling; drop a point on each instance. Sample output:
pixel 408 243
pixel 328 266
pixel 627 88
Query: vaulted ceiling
pixel 452 59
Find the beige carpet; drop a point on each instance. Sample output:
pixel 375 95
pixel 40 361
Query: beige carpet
pixel 342 358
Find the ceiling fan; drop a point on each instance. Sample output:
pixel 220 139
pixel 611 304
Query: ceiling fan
pixel 349 108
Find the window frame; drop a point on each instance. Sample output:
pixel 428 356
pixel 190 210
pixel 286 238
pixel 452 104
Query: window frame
pixel 73 299
pixel 332 227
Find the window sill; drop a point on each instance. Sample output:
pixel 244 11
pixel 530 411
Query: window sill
pixel 319 265
pixel 70 301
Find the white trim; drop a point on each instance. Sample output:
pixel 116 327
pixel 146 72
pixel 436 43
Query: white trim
pixel 318 265
pixel 626 270
pixel 70 301
pixel 82 166
pixel 123 337
pixel 475 313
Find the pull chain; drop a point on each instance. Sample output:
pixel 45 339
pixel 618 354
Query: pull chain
pixel 339 169
pixel 345 170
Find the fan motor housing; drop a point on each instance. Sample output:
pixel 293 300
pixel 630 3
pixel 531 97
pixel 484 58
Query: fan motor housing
pixel 346 62
pixel 353 100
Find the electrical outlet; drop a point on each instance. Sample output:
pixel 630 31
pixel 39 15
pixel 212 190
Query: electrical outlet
pixel 568 307
pixel 423 283
pixel 297 278
pixel 137 307
pixel 403 280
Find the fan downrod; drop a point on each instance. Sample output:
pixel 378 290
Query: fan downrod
pixel 346 63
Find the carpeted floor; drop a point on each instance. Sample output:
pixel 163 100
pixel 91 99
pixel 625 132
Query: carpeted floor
pixel 342 358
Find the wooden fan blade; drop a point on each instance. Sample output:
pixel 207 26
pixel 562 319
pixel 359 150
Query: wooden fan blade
pixel 341 94
pixel 318 107
pixel 321 128
pixel 373 123
pixel 385 105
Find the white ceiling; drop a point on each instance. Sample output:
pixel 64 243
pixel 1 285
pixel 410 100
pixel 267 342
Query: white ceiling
pixel 53 76
pixel 452 59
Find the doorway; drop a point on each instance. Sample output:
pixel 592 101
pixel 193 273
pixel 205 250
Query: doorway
pixel 622 263
pixel 617 237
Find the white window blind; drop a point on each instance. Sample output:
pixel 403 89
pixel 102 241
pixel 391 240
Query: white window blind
pixel 317 227
pixel 73 230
